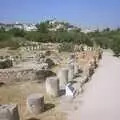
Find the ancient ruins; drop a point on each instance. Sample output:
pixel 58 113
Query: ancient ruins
pixel 42 65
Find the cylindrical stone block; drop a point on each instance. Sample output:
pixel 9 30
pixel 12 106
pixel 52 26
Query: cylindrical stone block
pixel 63 77
pixel 32 48
pixel 76 68
pixel 35 103
pixel 70 72
pixel 52 86
pixel 9 112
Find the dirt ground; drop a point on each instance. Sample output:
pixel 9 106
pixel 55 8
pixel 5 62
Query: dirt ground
pixel 18 92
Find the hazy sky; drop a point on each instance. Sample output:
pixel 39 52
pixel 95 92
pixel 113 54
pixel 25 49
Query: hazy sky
pixel 83 12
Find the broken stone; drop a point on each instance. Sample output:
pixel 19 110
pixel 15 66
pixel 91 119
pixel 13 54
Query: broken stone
pixel 44 66
pixel 35 103
pixel 76 68
pixel 63 77
pixel 49 62
pixel 69 90
pixel 52 86
pixel 9 112
pixel 71 72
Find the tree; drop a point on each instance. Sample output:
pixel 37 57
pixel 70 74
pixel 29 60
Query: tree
pixel 42 27
pixel 106 30
pixel 116 47
pixel 17 32
pixel 2 29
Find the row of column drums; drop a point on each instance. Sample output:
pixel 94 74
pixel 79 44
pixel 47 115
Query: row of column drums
pixel 64 75
pixel 35 102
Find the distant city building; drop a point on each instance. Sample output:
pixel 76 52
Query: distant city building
pixel 26 27
pixel 54 25
pixel 88 30
pixel 29 27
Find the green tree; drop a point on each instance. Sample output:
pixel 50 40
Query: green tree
pixel 42 27
pixel 17 32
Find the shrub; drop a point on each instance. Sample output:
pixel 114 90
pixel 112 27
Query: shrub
pixel 66 47
pixel 6 64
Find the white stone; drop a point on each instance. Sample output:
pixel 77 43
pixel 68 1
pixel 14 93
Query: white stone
pixel 70 72
pixel 63 77
pixel 35 103
pixel 9 112
pixel 76 68
pixel 69 90
pixel 52 86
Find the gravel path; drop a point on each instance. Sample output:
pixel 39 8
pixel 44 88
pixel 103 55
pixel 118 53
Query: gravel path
pixel 101 99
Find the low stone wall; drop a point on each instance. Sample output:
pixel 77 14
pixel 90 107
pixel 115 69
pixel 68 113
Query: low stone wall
pixel 16 75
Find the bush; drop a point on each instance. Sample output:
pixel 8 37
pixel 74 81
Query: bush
pixel 17 32
pixel 6 64
pixel 66 47
pixel 116 47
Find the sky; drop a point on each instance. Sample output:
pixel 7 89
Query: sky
pixel 99 13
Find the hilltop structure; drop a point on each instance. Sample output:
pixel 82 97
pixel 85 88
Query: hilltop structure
pixel 53 25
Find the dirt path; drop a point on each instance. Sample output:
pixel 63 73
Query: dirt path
pixel 101 99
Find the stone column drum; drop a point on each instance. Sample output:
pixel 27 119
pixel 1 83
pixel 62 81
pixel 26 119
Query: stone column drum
pixel 52 86
pixel 9 112
pixel 76 68
pixel 71 72
pixel 35 103
pixel 63 77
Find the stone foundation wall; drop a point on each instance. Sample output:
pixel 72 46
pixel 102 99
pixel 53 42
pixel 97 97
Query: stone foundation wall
pixel 8 75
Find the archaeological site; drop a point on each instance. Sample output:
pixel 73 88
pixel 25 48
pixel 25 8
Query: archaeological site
pixel 38 82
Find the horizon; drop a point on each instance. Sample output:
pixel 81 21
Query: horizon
pixel 99 14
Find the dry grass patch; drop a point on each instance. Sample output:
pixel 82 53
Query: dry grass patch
pixel 18 93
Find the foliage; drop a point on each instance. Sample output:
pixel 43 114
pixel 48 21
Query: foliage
pixel 42 27
pixel 105 39
pixel 17 32
pixel 66 47
pixel 6 40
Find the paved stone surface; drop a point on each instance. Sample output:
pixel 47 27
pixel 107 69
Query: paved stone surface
pixel 101 98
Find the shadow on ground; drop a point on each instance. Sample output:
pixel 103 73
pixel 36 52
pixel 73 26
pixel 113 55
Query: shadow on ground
pixel 62 92
pixel 32 119
pixel 48 106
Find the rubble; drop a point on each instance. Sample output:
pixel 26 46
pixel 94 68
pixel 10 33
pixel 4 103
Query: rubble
pixel 9 112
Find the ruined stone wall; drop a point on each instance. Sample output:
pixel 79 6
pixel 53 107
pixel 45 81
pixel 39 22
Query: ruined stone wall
pixel 41 46
pixel 8 75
